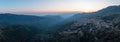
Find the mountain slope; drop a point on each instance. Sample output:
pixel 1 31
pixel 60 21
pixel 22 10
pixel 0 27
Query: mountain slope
pixel 101 26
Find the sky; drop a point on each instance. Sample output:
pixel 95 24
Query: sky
pixel 39 6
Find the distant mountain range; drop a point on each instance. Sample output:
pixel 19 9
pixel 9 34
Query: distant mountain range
pixel 27 19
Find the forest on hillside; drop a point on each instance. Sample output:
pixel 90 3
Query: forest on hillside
pixel 100 26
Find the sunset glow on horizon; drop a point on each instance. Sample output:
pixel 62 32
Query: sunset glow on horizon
pixel 33 6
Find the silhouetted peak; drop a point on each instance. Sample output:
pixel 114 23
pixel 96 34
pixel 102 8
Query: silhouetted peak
pixel 109 9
